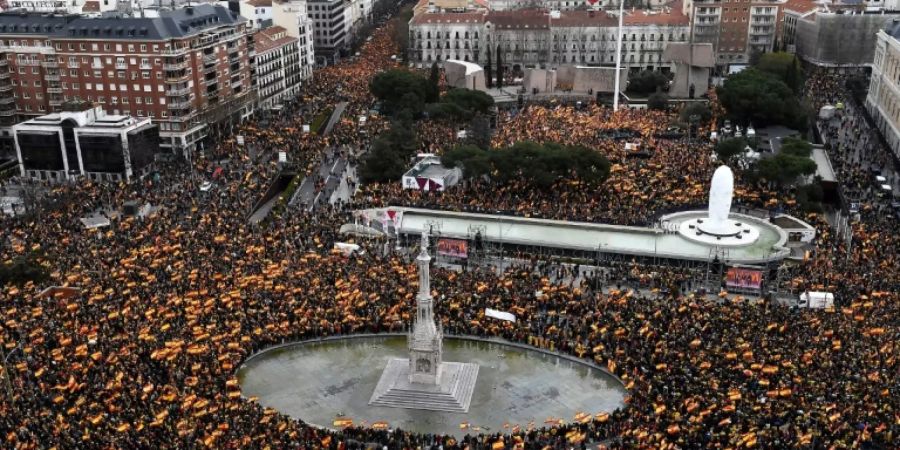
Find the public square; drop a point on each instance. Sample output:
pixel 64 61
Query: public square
pixel 622 275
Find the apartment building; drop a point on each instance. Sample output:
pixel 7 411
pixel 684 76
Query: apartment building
pixel 539 38
pixel 292 15
pixel 883 100
pixel 188 69
pixel 278 74
pixel 735 28
pixel 257 12
pixel 65 6
pixel 329 29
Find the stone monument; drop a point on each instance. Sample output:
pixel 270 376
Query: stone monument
pixel 424 380
pixel 717 228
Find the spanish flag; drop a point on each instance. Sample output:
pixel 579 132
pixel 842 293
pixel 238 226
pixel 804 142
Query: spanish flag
pixel 343 422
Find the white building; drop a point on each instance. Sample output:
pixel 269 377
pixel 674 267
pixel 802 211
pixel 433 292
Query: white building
pixel 257 12
pixel 278 74
pixel 883 101
pixel 83 140
pixel 537 38
pixel 293 17
pixel 87 7
pixel 329 29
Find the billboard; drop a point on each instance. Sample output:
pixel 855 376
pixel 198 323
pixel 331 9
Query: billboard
pixel 454 248
pixel 743 278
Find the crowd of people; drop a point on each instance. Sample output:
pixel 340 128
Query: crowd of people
pixel 142 353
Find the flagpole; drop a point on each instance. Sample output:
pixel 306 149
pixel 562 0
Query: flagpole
pixel 618 56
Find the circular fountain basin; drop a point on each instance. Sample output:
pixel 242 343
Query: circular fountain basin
pixel 318 381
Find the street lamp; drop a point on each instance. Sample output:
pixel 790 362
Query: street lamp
pixel 618 56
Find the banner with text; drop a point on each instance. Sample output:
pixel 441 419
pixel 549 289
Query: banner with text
pixel 454 248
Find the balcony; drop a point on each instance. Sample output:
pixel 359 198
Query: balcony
pixel 4 62
pixel 174 51
pixel 56 102
pixel 6 87
pixel 176 65
pixel 4 75
pixel 179 105
pixel 121 66
pixel 176 77
pixel 179 92
pixel 236 84
pixel 54 90
pixel 209 69
pixel 146 67
pixel 7 112
pixel 27 62
pixel 73 65
pixel 211 81
pixel 7 100
pixel 51 77
pixel 209 58
pixel 50 64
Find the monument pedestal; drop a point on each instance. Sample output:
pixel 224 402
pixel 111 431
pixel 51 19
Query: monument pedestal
pixel 453 393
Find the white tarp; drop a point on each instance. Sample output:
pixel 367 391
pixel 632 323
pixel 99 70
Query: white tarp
pixel 345 248
pixel 816 300
pixel 94 222
pixel 501 315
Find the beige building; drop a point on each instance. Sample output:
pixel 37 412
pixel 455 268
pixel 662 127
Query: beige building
pixel 547 39
pixel 883 101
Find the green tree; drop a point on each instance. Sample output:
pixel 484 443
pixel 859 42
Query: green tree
pixel 499 68
pixel 646 82
pixel 700 110
pixel 21 270
pixel 401 30
pixel 449 112
pixel 434 84
pixel 658 101
pixel 758 97
pixel 727 149
pixel 796 147
pixel 783 169
pixel 540 165
pixel 784 66
pixel 392 86
pixel 390 154
pixel 488 71
pixel 470 100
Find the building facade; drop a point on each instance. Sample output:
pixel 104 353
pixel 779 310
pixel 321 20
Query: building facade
pixel 736 29
pixel 278 74
pixel 839 38
pixel 329 29
pixel 65 6
pixel 188 70
pixel 257 12
pixel 883 100
pixel 293 16
pixel 547 39
pixel 83 140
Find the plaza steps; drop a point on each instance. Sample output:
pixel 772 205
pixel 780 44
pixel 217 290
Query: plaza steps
pixel 453 395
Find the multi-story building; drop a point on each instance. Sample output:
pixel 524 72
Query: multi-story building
pixel 82 140
pixel 537 38
pixel 257 12
pixel 839 36
pixel 292 15
pixel 65 6
pixel 187 69
pixel 277 67
pixel 329 30
pixel 736 29
pixel 883 101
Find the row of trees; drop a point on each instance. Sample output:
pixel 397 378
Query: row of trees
pixel 539 164
pixel 407 97
pixel 767 93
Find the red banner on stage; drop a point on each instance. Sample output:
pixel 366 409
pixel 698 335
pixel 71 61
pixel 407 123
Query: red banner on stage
pixel 455 248
pixel 743 278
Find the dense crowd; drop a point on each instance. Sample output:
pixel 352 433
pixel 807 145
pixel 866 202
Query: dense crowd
pixel 144 355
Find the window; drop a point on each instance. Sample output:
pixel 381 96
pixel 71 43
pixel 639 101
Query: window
pixel 76 85
pixel 138 100
pixel 131 49
pixel 101 99
pixel 143 47
pixel 94 47
pixel 89 86
pixel 73 73
pixel 99 86
pixel 124 100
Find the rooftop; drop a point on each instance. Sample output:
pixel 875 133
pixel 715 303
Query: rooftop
pixel 438 18
pixel 271 38
pixel 179 23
